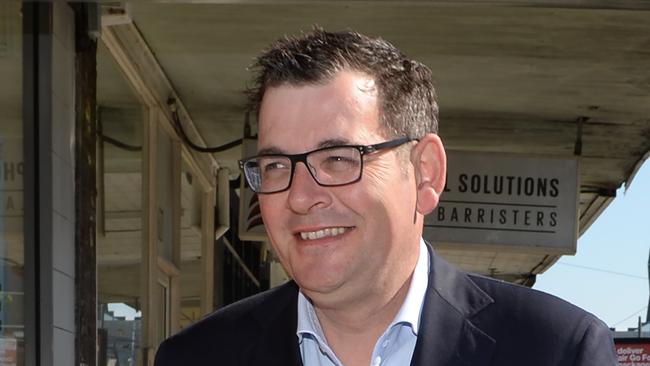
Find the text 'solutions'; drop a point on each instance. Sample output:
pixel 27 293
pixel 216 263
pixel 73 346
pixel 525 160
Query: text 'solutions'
pixel 502 199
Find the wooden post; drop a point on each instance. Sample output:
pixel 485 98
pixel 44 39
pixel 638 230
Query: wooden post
pixel 85 191
pixel 148 274
pixel 175 274
pixel 207 251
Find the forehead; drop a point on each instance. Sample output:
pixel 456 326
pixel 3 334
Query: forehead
pixel 296 118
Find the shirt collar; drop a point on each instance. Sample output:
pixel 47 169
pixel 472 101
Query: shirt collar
pixel 409 313
pixel 411 309
pixel 307 320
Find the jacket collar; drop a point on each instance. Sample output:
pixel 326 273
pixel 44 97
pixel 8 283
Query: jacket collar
pixel 277 342
pixel 447 336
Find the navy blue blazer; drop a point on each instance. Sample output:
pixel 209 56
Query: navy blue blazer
pixel 467 319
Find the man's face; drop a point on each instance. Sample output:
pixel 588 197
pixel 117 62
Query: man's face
pixel 370 234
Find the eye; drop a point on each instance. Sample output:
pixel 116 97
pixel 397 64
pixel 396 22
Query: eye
pixel 339 159
pixel 274 165
pixel 338 163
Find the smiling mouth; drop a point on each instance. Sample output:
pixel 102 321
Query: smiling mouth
pixel 327 232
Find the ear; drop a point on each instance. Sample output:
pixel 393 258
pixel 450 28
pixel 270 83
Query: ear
pixel 430 165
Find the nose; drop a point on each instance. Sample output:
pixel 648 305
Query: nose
pixel 305 194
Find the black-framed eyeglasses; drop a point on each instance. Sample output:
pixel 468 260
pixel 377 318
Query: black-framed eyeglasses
pixel 329 166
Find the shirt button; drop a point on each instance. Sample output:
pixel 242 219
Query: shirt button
pixel 385 344
pixel 376 361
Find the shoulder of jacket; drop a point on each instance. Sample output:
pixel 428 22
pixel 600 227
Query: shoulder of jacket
pixel 239 318
pixel 527 305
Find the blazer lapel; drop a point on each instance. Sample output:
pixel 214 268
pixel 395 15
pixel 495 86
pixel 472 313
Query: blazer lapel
pixel 277 342
pixel 446 336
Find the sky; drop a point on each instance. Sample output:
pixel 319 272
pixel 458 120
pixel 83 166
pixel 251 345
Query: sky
pixel 608 276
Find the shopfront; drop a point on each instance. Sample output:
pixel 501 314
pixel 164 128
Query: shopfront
pixel 12 243
pixel 110 230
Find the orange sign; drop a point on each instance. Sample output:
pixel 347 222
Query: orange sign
pixel 633 354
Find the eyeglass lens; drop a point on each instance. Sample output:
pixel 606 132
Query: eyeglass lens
pixel 329 167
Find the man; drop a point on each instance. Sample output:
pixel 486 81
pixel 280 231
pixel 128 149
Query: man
pixel 348 164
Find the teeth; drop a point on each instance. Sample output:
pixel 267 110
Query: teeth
pixel 330 231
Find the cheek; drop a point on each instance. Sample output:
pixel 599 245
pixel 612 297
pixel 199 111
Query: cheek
pixel 388 200
pixel 271 210
pixel 373 202
pixel 389 184
pixel 377 173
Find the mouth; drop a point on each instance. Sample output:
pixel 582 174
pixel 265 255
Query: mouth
pixel 323 233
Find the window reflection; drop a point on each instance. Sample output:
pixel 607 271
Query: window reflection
pixel 120 216
pixel 12 336
pixel 191 279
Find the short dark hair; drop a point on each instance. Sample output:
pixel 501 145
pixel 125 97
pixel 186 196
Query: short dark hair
pixel 407 99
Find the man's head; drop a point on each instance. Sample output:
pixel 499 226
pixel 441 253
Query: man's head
pixel 345 243
pixel 407 99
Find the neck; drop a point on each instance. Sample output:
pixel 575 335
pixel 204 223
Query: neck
pixel 352 331
pixel 375 309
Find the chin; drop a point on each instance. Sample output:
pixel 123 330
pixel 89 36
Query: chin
pixel 315 282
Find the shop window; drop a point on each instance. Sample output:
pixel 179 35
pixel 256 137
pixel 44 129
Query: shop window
pixel 120 216
pixel 191 236
pixel 12 261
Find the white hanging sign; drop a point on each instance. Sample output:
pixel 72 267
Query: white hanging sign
pixel 507 201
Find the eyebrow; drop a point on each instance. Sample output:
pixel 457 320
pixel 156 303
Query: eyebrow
pixel 322 144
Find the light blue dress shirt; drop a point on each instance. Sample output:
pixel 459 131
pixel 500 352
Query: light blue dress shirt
pixel 395 346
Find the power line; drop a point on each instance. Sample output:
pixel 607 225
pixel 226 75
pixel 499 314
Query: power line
pixel 603 270
pixel 629 317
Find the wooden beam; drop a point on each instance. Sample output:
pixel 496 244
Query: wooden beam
pixel 148 276
pixel 174 271
pixel 207 252
pixel 570 4
pixel 592 209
